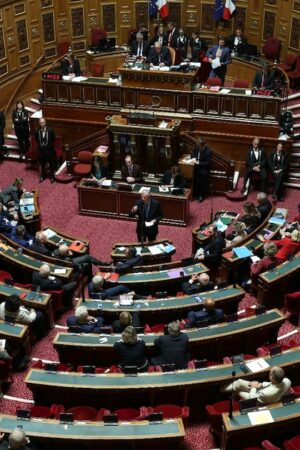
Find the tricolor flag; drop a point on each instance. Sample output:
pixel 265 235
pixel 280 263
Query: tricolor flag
pixel 229 9
pixel 162 6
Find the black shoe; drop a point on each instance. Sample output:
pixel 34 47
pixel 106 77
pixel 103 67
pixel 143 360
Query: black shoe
pixel 42 179
pixel 52 179
pixel 274 197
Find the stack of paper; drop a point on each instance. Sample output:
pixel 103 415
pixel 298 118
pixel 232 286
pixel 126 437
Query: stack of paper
pixel 155 250
pixel 242 252
pixel 260 417
pixel 277 221
pixel 257 365
pixel 144 189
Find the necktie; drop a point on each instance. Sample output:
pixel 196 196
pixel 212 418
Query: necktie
pixel 139 50
pixel 263 80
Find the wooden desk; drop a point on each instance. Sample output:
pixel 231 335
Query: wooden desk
pixel 243 69
pixel 118 254
pixel 115 390
pixel 212 343
pixel 239 429
pixel 98 201
pixel 94 435
pixel 111 60
pixel 16 334
pixel 55 238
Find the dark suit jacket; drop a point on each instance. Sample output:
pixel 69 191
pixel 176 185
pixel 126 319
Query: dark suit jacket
pixel 264 209
pixel 134 48
pixel 201 44
pixel 262 160
pixel 269 80
pixel 204 158
pixel 131 354
pixel 225 55
pixel 156 39
pixel 179 181
pixel 213 250
pixel 124 266
pixel 39 248
pixel 165 57
pixel 231 39
pixel 89 327
pixel 197 316
pixel 2 121
pixel 110 292
pixel 45 283
pixel 48 150
pixel 193 288
pixel 5 227
pixel 175 35
pixel 11 193
pixel 173 350
pixel 136 173
pixel 20 122
pixel 155 212
pixel 282 164
pixel 67 69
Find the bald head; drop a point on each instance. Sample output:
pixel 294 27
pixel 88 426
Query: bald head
pixel 157 47
pixel 204 279
pixel 41 237
pixel 64 250
pixel 209 304
pixel 17 439
pixel 44 270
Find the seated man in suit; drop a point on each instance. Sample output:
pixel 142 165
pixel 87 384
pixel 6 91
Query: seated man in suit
pixel 172 348
pixel 173 178
pixel 278 164
pixel 130 171
pixel 46 282
pixel 20 236
pixel 256 163
pixel 199 282
pixel 149 214
pixel 100 286
pixel 267 392
pixel 211 253
pixel 236 40
pixel 209 313
pixel 17 440
pixel 12 193
pixel 139 47
pixel 159 56
pixel 264 79
pixel 131 260
pixel 221 57
pixel 39 244
pixel 203 156
pixel 84 322
pixel 264 205
pixel 70 65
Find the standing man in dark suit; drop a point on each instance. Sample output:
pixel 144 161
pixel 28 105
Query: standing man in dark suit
pixel 149 214
pixel 220 56
pixel 2 126
pixel 197 45
pixel 202 154
pixel 236 40
pixel 264 79
pixel 278 164
pixel 139 47
pixel 172 348
pixel 256 163
pixel 159 56
pixel 130 171
pixel 21 125
pixel 160 37
pixel 173 35
pixel 45 138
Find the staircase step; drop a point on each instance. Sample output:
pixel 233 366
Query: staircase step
pixel 294 175
pixel 31 110
pixel 293 96
pixel 295 155
pixel 293 184
pixel 293 107
pixel 296 144
pixel 13 137
pixel 35 102
pixel 294 164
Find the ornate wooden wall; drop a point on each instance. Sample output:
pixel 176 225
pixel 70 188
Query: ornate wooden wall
pixel 29 28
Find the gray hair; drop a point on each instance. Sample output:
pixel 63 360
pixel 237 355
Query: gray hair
pixel 277 374
pixel 270 249
pixel 81 312
pixel 173 328
pixel 98 280
pixel 16 439
pixel 262 197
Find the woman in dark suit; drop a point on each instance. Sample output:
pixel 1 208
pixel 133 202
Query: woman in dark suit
pixel 21 126
pixel 173 178
pixel 131 350
pixel 98 171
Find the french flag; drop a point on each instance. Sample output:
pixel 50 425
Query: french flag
pixel 162 6
pixel 229 9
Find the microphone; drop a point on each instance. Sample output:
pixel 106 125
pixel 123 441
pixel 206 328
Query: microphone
pixel 233 374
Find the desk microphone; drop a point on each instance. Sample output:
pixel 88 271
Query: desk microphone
pixel 233 374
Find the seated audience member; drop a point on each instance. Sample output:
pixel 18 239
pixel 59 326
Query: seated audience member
pixel 160 37
pixel 287 230
pixel 46 282
pixel 212 252
pixel 17 440
pixel 264 78
pixel 256 163
pixel 13 309
pixel 222 56
pixel 20 236
pixel 98 170
pixel 209 313
pixel 199 282
pixel 6 226
pixel 39 244
pixel 267 392
pixel 203 156
pixel 63 252
pixel 125 319
pixel 172 348
pixel 139 47
pixel 297 217
pixel 84 322
pixel 131 350
pixel 130 171
pixel 278 163
pixel 12 193
pixel 182 43
pixel 71 65
pixel 251 217
pixel 99 286
pixel 131 260
pixel 264 205
pixel 238 234
pixel 197 44
pixel 236 40
pixel 159 56
pixel 286 246
pixel 269 260
pixel 173 34
pixel 173 178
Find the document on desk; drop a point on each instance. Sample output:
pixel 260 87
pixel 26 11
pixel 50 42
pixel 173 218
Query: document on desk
pixel 107 183
pixel 260 417
pixel 163 189
pixel 277 221
pixel 155 250
pixel 257 365
pixel 225 91
pixel 221 226
pixel 215 63
pixel 60 271
pixel 242 252
pixel 79 79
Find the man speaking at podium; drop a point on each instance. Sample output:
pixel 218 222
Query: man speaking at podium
pixel 149 214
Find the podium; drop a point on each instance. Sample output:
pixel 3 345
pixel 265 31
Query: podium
pixel 153 142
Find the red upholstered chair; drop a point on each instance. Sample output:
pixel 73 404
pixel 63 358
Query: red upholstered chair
pixel 296 390
pixel 63 47
pixel 241 84
pixel 271 48
pixel 159 328
pixel 24 286
pixel 292 444
pixel 265 445
pixel 173 411
pixel 214 81
pixel 83 413
pixel 56 299
pixel 214 414
pixel 292 304
pixel 97 70
pixel 41 411
pixel 4 275
pixel 102 412
pixel 96 35
pixel 264 350
pixel 83 167
pixel 294 75
pixel 289 62
pixel 114 369
pixel 132 413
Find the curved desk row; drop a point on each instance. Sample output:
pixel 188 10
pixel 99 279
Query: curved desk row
pixel 214 342
pixel 17 334
pixel 149 257
pixel 72 388
pixel 55 238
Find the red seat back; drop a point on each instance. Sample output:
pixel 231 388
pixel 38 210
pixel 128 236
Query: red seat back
pixel 241 84
pixel 97 70
pixel 214 81
pixel 96 35
pixel 63 47
pixel 85 157
pixel 83 412
pixel 127 413
pixel 271 48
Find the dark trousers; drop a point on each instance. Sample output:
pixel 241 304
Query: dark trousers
pixel 39 325
pixel 262 175
pixel 278 179
pixel 69 290
pixel 22 133
pixel 146 233
pixel 50 161
pixel 201 183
